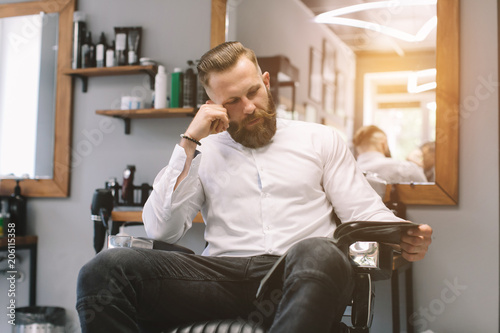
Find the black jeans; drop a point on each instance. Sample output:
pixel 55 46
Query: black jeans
pixel 129 290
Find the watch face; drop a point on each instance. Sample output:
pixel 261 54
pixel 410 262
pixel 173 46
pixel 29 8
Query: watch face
pixel 126 173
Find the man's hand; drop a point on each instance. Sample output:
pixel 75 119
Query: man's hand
pixel 415 242
pixel 210 119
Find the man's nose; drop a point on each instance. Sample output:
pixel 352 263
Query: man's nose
pixel 248 106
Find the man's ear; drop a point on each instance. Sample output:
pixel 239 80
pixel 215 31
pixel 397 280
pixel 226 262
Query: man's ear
pixel 267 79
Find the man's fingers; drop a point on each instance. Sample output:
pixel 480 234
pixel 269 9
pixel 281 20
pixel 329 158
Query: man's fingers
pixel 415 242
pixel 412 240
pixel 214 126
pixel 413 256
pixel 422 230
pixel 418 236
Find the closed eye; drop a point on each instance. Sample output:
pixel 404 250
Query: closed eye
pixel 253 92
pixel 233 101
pixel 250 94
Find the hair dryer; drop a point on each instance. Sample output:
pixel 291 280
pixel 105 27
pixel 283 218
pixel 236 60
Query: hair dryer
pixel 17 210
pixel 101 208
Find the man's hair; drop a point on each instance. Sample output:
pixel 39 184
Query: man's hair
pixel 222 58
pixel 431 146
pixel 366 135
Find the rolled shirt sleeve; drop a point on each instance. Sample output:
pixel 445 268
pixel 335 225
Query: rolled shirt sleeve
pixel 168 214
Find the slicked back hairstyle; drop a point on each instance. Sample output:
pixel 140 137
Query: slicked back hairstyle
pixel 366 135
pixel 221 58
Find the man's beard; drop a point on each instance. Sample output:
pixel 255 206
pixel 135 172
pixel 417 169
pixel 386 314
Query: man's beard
pixel 260 134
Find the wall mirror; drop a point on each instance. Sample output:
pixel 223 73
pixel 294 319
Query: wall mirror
pixel 40 146
pixel 444 190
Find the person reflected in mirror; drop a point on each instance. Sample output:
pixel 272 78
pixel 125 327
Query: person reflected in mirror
pixel 373 155
pixel 425 157
pixel 267 189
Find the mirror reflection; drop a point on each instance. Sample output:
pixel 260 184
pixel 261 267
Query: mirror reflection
pixel 366 67
pixel 28 63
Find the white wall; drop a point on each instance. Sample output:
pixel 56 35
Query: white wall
pixel 466 239
pixel 173 32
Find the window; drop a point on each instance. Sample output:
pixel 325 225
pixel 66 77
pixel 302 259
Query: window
pixel 408 119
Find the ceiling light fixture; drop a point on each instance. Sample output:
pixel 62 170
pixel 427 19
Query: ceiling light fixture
pixel 378 5
pixel 331 17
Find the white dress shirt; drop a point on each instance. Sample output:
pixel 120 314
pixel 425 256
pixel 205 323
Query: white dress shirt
pixel 262 201
pixel 391 170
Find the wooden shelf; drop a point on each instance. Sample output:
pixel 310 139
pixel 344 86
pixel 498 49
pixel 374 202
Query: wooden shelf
pixel 20 240
pixel 85 73
pixel 148 113
pixel 136 216
pixel 127 115
pixel 110 71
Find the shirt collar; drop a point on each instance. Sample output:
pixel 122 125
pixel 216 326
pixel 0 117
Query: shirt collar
pixel 370 155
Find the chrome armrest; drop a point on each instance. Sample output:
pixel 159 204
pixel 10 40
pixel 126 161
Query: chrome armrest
pixel 144 243
pixel 366 245
pixel 365 254
pixel 370 231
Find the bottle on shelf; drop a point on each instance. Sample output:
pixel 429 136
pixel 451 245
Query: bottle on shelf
pixel 134 36
pixel 113 185
pixel 128 185
pixel 17 210
pixel 176 89
pixel 3 217
pixel 160 98
pixel 79 31
pixel 201 94
pixel 100 51
pixel 88 52
pixel 110 55
pixel 84 52
pixel 121 46
pixel 189 86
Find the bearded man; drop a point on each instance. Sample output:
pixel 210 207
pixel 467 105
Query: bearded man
pixel 265 187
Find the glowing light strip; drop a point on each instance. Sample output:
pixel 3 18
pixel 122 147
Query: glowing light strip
pixel 414 88
pixel 330 17
pixel 376 5
pixel 418 37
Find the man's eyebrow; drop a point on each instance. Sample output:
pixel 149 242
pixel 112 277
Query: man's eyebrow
pixel 255 87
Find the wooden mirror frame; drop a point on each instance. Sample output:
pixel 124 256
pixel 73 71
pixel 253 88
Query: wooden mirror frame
pixel 58 185
pixel 444 191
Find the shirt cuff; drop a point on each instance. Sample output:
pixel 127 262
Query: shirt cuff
pixel 178 160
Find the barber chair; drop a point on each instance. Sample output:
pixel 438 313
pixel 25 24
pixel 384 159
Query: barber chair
pixel 367 244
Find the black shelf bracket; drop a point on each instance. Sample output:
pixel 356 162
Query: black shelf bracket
pixel 85 81
pixel 151 78
pixel 127 123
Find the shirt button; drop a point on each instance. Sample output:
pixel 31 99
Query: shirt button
pixel 269 251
